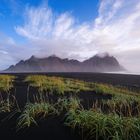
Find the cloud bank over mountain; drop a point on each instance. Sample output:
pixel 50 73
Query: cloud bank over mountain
pixel 46 32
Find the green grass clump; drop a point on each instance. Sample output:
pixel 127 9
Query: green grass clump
pixel 96 125
pixel 35 111
pixel 67 104
pixel 109 89
pixel 76 85
pixel 5 107
pixel 46 84
pixel 56 85
pixel 123 105
pixel 123 102
pixel 6 84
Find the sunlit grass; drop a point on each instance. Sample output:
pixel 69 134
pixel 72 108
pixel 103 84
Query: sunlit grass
pixel 110 89
pixel 96 125
pixel 61 85
pixel 66 104
pixel 123 105
pixel 6 84
pixel 55 85
pixel 76 85
pixel 46 84
pixel 35 111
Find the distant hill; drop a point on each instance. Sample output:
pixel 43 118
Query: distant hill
pixel 97 63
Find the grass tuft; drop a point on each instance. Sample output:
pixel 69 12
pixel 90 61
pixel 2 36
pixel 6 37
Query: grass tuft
pixel 32 112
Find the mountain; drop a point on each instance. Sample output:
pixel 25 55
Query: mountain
pixel 97 63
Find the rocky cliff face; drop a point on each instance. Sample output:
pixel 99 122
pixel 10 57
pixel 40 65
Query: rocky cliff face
pixel 53 63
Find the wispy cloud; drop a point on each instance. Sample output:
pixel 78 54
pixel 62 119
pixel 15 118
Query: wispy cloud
pixel 59 34
pixel 38 23
pixel 11 52
pixel 115 30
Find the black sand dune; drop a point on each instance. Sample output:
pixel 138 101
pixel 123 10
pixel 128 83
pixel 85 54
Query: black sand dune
pixel 53 127
pixel 125 80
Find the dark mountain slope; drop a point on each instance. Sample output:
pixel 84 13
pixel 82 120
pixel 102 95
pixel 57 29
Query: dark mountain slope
pixel 55 64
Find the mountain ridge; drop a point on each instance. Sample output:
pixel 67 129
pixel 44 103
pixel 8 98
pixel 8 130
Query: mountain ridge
pixel 53 63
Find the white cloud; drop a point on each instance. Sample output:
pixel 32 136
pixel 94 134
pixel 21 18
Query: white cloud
pixel 38 23
pixel 107 11
pixel 11 52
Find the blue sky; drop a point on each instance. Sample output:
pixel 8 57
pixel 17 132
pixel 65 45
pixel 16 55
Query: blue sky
pixel 11 11
pixel 82 9
pixel 75 29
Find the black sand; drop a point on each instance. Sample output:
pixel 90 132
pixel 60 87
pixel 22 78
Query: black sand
pixel 53 127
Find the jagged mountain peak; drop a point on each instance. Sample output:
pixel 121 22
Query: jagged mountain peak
pixel 53 63
pixel 33 57
pixel 102 55
pixel 53 56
